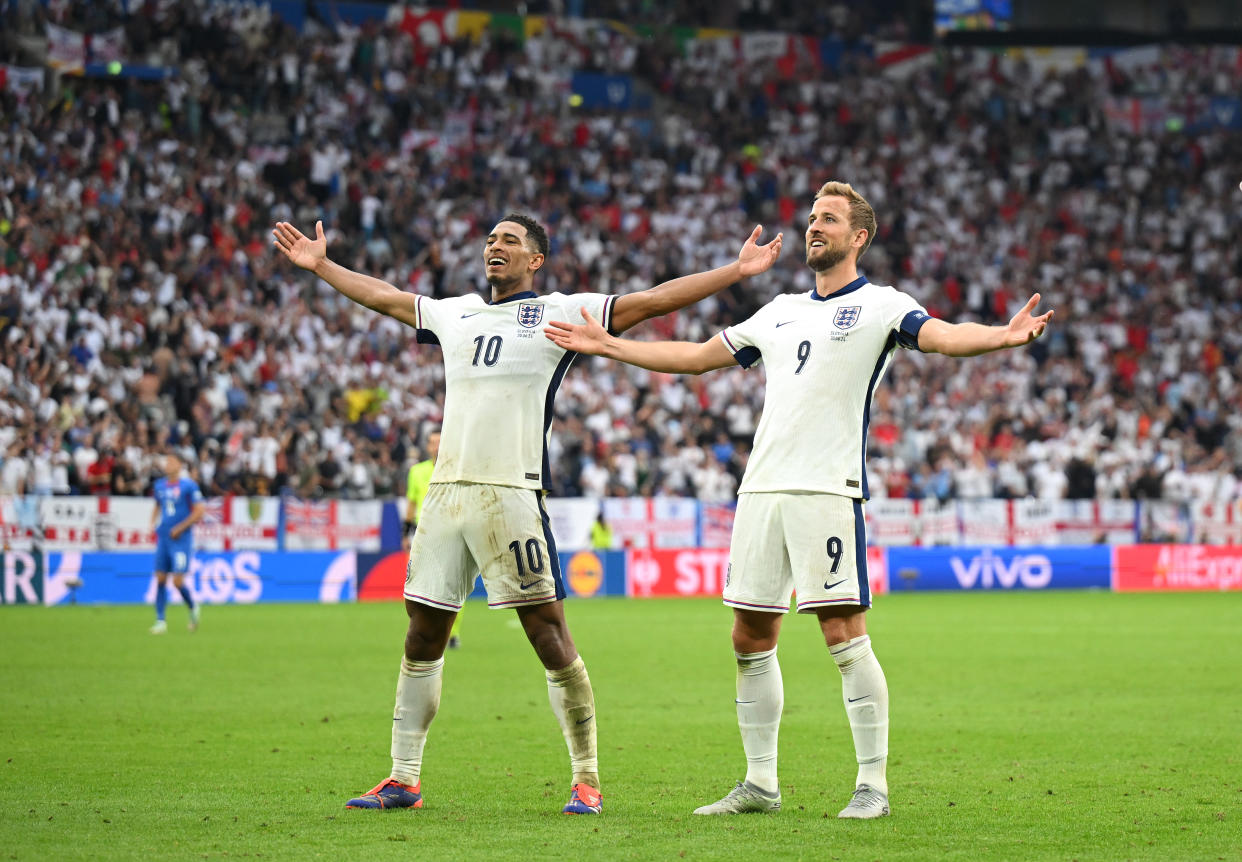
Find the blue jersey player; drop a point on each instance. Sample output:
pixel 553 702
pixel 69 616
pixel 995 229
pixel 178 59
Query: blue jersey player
pixel 178 507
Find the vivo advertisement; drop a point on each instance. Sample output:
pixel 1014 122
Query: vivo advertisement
pixel 231 577
pixel 995 568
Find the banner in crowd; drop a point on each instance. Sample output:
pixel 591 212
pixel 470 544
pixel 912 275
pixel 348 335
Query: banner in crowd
pixel 1147 568
pixel 716 524
pixel 659 522
pixel 232 577
pixel 381 577
pixel 66 49
pixel 332 524
pixel 1217 523
pixel 1096 522
pixel 22 80
pixel 19 523
pixel 894 521
pixel 270 523
pixel 597 90
pixel 572 519
pixel 1165 521
pixel 997 568
pixel 108 46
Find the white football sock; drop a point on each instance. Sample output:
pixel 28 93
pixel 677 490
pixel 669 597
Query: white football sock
pixel 573 704
pixel 865 693
pixel 760 699
pixel 418 699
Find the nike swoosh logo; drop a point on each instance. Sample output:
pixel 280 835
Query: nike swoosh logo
pixel 585 720
pixel 786 323
pixel 464 316
pixel 828 586
pixel 852 699
pixel 531 584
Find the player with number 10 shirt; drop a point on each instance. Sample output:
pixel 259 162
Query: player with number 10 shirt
pixel 484 510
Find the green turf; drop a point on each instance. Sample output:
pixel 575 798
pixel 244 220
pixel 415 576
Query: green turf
pixel 1024 726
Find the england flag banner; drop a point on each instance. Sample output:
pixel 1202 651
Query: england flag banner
pixel 984 522
pixel 333 524
pixel 891 521
pixel 239 523
pixel 1034 522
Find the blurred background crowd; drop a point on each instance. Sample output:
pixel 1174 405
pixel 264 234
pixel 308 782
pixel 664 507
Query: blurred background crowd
pixel 142 305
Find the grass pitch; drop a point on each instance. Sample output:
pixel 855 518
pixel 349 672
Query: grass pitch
pixel 1024 726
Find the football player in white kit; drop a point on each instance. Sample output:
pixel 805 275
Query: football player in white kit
pixel 799 524
pixel 484 510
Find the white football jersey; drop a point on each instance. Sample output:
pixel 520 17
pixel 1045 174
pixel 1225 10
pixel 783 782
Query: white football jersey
pixel 824 357
pixel 500 376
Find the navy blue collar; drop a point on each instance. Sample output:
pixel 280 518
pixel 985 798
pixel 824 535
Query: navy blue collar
pixel 526 294
pixel 849 288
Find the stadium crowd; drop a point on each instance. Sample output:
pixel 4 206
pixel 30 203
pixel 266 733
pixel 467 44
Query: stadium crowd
pixel 142 305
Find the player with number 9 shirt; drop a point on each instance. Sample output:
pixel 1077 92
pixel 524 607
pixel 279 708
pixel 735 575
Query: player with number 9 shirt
pixel 799 523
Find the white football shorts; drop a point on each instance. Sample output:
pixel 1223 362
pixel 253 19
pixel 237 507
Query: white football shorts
pixel 500 532
pixel 815 544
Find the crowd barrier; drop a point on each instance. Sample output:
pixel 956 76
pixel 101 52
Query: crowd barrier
pixel 374 526
pixel 246 577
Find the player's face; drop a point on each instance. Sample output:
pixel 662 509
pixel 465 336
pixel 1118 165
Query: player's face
pixel 829 237
pixel 433 444
pixel 172 465
pixel 507 257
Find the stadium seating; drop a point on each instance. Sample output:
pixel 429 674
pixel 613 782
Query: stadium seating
pixel 142 304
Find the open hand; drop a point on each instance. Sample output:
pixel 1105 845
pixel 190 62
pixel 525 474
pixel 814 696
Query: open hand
pixel 755 258
pixel 1023 328
pixel 587 337
pixel 302 251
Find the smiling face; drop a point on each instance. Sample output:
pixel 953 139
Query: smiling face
pixel 830 238
pixel 509 257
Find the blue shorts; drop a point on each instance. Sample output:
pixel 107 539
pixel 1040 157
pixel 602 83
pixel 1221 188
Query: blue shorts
pixel 173 555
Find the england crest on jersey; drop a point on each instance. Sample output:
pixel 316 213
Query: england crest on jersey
pixel 846 316
pixel 530 314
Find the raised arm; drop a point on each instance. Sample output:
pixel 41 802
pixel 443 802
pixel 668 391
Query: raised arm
pixel 673 357
pixel 312 255
pixel 634 308
pixel 972 339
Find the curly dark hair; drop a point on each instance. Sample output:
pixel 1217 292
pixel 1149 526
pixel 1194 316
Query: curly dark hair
pixel 534 231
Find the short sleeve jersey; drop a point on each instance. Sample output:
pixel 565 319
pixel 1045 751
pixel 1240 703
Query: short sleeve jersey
pixel 824 357
pixel 176 500
pixel 500 377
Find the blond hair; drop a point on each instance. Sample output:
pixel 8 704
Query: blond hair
pixel 862 216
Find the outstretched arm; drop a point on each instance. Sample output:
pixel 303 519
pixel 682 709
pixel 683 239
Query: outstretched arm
pixel 634 308
pixel 673 357
pixel 312 255
pixel 972 339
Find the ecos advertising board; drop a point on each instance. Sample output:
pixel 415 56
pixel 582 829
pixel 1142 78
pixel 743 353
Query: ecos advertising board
pixel 997 568
pixel 231 577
